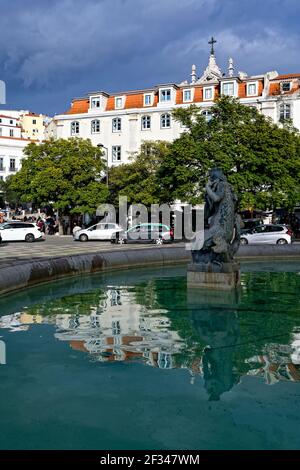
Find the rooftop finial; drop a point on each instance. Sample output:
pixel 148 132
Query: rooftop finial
pixel 212 42
pixel 194 74
pixel 230 67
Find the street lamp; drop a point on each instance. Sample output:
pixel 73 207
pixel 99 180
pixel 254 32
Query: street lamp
pixel 106 151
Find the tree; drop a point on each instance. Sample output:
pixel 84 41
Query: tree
pixel 260 159
pixel 137 180
pixel 64 173
pixel 7 194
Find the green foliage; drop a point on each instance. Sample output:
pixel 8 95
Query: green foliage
pixel 138 180
pixel 260 159
pixel 65 173
pixel 7 193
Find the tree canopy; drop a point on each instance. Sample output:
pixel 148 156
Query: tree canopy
pixel 137 180
pixel 260 159
pixel 65 173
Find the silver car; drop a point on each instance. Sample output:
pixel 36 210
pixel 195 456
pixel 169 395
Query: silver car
pixel 101 231
pixel 271 233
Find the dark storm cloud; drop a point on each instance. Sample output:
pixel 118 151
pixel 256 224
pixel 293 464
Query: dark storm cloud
pixel 53 50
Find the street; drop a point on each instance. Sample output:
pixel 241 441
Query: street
pixel 59 246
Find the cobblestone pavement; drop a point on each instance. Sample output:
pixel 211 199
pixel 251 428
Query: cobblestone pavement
pixel 14 252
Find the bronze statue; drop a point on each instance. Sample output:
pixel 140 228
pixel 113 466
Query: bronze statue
pixel 221 223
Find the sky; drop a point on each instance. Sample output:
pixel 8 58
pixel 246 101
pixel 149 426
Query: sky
pixel 55 50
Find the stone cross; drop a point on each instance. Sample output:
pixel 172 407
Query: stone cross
pixel 212 42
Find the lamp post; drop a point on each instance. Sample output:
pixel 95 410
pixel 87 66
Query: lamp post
pixel 106 151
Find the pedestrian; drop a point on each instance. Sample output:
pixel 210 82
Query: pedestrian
pixel 75 228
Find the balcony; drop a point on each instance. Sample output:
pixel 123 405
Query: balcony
pixel 12 169
pixel 2 168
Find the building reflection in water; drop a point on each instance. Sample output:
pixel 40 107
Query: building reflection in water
pixel 120 324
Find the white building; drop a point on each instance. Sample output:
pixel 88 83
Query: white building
pixel 17 129
pixel 122 121
pixel 12 145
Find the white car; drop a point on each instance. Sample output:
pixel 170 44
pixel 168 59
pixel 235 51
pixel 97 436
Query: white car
pixel 271 234
pixel 101 231
pixel 20 231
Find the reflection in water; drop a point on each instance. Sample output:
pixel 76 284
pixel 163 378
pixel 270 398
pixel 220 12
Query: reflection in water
pixel 220 331
pixel 155 322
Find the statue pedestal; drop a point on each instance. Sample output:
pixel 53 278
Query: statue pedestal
pixel 213 277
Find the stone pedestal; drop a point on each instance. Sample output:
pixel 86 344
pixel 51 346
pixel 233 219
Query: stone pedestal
pixel 213 277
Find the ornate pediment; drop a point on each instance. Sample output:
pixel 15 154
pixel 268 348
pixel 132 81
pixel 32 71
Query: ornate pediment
pixel 212 72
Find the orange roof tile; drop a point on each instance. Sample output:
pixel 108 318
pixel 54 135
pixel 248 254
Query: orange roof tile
pixel 110 105
pixel 79 106
pixel 134 101
pixel 288 75
pixel 275 89
pixel 8 117
pixel 179 97
pixel 198 95
pixel 242 92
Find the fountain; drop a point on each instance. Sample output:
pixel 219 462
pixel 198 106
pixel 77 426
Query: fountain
pixel 213 266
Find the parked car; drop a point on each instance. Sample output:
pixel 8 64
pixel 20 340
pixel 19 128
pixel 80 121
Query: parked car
pixel 145 233
pixel 272 233
pixel 20 231
pixel 101 231
pixel 250 224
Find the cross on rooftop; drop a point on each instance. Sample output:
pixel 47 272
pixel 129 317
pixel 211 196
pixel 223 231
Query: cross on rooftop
pixel 212 42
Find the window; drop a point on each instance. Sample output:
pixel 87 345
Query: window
pixel 148 99
pixel 11 121
pixel 95 126
pixel 11 132
pixel 146 123
pixel 1 164
pixel 95 102
pixel 208 94
pixel 284 112
pixel 165 95
pixel 286 86
pixel 207 114
pixel 251 89
pixel 187 95
pixel 74 128
pixel 0 130
pixel 118 102
pixel 116 153
pixel 116 125
pixel 33 121
pixel 165 121
pixel 228 89
pixel 12 164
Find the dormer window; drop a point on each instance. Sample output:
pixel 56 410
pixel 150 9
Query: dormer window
pixel 208 93
pixel 286 86
pixel 187 95
pixel 165 95
pixel 148 99
pixel 228 89
pixel 95 102
pixel 252 89
pixel 119 102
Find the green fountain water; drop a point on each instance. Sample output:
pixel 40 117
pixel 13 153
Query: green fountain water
pixel 132 361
